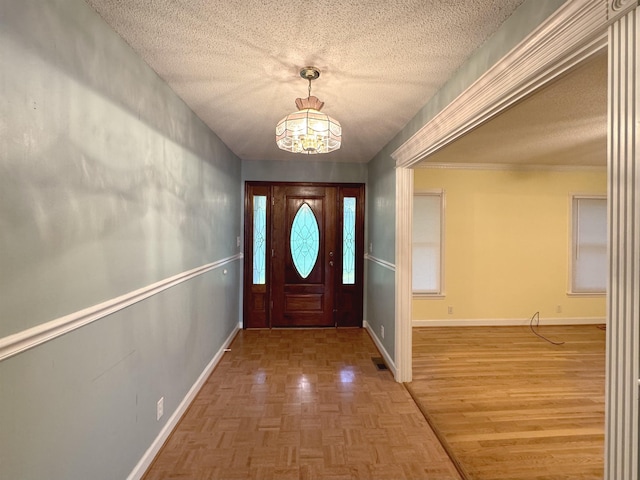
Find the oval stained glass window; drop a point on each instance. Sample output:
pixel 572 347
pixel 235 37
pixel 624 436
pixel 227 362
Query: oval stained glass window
pixel 305 240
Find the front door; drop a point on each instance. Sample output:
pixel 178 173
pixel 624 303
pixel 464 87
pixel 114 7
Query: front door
pixel 303 255
pixel 303 264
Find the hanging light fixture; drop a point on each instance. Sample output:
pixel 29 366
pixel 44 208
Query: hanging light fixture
pixel 309 130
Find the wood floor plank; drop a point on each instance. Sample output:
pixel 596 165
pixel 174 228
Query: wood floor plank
pixel 512 406
pixel 302 404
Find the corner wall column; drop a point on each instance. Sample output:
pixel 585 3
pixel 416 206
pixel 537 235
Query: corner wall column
pixel 404 220
pixel 623 299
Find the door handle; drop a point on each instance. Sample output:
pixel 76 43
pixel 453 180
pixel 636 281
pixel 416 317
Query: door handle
pixel 331 263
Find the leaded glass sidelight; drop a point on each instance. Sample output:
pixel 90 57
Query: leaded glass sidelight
pixel 305 240
pixel 349 241
pixel 259 239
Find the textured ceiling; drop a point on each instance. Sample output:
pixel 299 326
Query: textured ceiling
pixel 236 62
pixel 562 124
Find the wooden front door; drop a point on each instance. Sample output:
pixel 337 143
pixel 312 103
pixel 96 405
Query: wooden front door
pixel 304 237
pixel 303 255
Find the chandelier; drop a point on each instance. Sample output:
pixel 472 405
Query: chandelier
pixel 308 130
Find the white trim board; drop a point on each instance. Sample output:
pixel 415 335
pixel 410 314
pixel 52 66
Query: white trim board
pixel 148 457
pixel 403 274
pixel 387 358
pixel 32 337
pixel 506 322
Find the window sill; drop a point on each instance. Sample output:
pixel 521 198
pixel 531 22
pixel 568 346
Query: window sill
pixel 586 294
pixel 428 295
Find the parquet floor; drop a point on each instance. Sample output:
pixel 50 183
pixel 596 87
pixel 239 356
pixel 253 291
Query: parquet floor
pixel 512 406
pixel 302 404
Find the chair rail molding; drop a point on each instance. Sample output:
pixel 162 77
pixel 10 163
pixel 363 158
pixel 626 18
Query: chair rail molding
pixel 379 261
pixel 32 337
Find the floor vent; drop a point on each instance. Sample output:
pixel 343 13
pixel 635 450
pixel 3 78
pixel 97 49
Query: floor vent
pixel 379 363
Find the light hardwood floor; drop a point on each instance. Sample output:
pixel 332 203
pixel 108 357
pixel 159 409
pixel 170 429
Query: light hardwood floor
pixel 512 406
pixel 302 404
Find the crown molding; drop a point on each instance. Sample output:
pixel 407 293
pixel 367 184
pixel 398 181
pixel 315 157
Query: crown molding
pixel 575 32
pixel 510 167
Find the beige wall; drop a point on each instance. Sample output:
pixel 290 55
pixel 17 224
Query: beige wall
pixel 506 244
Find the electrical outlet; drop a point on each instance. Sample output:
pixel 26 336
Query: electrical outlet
pixel 450 310
pixel 559 309
pixel 160 408
pixel 382 331
pixel 370 247
pixel 238 241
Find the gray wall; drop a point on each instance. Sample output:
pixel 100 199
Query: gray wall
pixel 381 197
pixel 304 171
pixel 108 183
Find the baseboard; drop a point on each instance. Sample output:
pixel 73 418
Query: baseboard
pixel 148 457
pixel 383 351
pixel 506 322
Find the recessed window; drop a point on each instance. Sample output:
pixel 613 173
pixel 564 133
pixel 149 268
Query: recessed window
pixel 427 243
pixel 589 245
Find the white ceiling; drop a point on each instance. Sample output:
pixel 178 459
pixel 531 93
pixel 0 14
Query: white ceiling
pixel 236 62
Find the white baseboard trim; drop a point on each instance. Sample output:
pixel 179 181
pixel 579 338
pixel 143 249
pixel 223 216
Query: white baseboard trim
pixel 32 337
pixel 506 322
pixel 387 358
pixel 148 457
